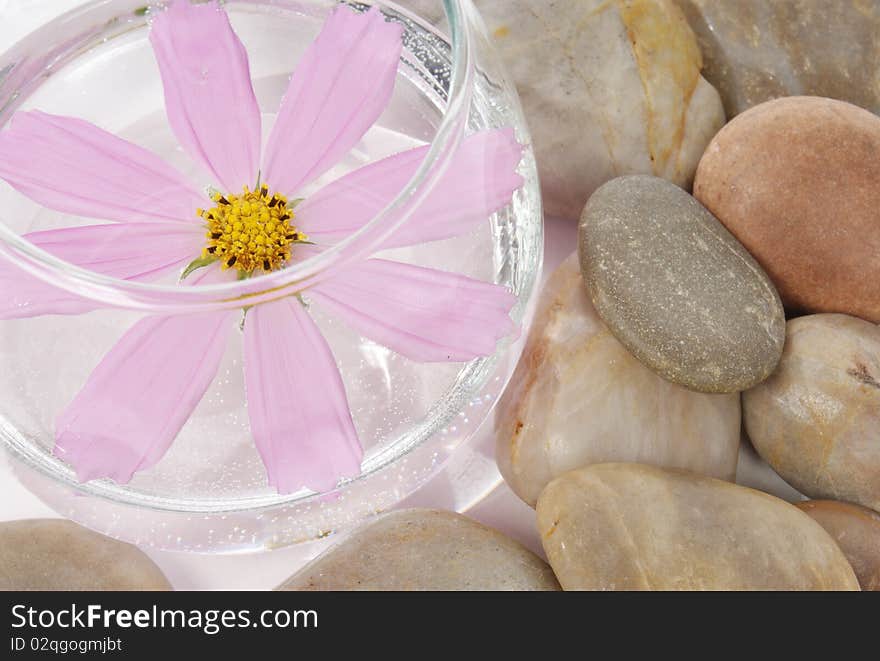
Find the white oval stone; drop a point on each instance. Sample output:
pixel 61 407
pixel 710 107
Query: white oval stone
pixel 609 87
pixel 578 397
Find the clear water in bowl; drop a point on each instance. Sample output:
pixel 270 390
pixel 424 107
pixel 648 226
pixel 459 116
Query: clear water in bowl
pixel 213 462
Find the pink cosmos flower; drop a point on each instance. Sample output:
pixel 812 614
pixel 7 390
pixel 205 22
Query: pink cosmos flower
pixel 144 390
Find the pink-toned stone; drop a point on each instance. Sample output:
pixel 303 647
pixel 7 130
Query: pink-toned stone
pixel 797 181
pixel 857 532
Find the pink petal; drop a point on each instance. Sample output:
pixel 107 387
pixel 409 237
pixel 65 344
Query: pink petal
pixel 337 92
pixel 423 314
pixel 298 409
pixel 209 98
pixel 75 167
pixel 140 395
pixel 479 181
pixel 128 251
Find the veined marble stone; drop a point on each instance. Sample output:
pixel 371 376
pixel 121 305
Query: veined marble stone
pixel 609 87
pixel 578 397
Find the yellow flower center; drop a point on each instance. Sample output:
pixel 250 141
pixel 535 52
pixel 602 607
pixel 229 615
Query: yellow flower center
pixel 250 231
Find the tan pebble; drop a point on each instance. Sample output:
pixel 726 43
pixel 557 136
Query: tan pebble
pixel 52 554
pixel 636 527
pixel 816 421
pixel 425 550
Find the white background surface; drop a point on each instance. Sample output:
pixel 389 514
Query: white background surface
pixel 500 508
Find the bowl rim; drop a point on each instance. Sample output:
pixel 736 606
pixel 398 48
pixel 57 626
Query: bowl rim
pixel 477 373
pixel 172 298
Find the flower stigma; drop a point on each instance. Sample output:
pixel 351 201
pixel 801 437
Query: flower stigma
pixel 250 231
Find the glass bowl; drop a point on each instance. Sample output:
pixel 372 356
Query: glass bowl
pixel 209 493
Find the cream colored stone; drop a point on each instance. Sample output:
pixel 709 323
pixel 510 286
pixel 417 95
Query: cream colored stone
pixel 425 550
pixel 609 87
pixel 578 397
pixel 636 527
pixel 52 554
pixel 816 420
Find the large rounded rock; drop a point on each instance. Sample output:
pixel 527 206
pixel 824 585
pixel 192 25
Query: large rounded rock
pixel 797 181
pixel 52 554
pixel 579 397
pixel 635 527
pixel 608 88
pixel 425 550
pixel 758 50
pixel 677 289
pixel 856 531
pixel 816 421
